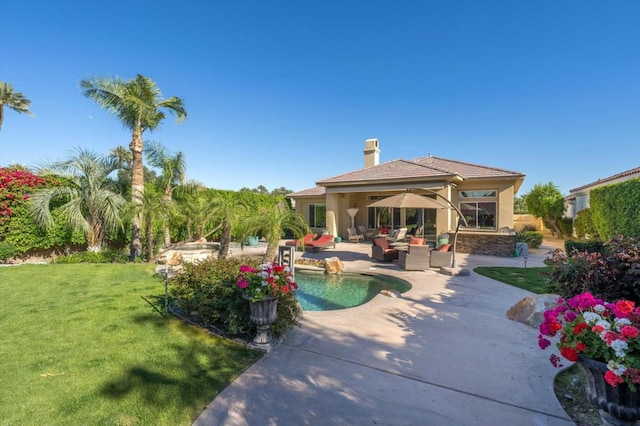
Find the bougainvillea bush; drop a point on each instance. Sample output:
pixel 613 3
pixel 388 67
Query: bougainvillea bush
pixel 16 226
pixel 612 275
pixel 591 327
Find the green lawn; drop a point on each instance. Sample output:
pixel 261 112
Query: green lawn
pixel 532 279
pixel 80 346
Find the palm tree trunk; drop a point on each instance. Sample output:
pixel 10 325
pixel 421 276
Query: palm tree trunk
pixel 166 201
pixel 271 253
pixel 137 192
pixel 1 115
pixel 225 241
pixel 149 236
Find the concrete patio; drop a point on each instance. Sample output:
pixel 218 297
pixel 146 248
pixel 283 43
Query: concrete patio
pixel 442 354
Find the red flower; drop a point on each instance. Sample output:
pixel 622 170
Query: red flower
pixel 612 379
pixel 569 353
pixel 580 327
pixel 629 331
pixel 581 347
pixel 624 308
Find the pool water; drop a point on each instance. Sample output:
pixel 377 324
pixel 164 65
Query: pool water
pixel 322 292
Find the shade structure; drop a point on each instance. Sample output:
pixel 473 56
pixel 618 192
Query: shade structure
pixel 409 200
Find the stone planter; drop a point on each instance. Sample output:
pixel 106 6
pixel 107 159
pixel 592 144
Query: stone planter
pixel 617 405
pixel 263 313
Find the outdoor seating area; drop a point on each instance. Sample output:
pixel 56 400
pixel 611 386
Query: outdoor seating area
pixel 313 242
pixel 353 236
pixel 441 256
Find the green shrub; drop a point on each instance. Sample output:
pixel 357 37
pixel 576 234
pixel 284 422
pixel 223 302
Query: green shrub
pixel 584 226
pixel 612 275
pixel 589 246
pixel 208 291
pixel 565 225
pixel 104 256
pixel 532 238
pixel 7 251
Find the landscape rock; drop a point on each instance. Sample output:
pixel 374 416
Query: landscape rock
pixel 333 265
pixel 530 310
pixel 175 259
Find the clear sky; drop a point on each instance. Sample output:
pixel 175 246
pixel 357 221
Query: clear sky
pixel 284 93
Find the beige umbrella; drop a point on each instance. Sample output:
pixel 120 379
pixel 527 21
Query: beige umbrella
pixel 409 200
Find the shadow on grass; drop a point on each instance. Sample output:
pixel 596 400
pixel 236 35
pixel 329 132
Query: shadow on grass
pixel 191 375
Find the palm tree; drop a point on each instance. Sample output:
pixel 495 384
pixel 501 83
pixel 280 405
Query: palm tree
pixel 14 100
pixel 227 209
pixel 173 174
pixel 89 203
pixel 272 222
pixel 152 213
pixel 138 103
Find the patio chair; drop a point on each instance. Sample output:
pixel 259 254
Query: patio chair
pixel 381 251
pixel 441 256
pixel 414 259
pixel 397 235
pixel 367 233
pixel 323 242
pixel 353 236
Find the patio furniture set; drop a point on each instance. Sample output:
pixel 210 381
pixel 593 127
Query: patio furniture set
pixel 411 256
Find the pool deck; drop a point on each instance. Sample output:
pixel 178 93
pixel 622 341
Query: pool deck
pixel 443 353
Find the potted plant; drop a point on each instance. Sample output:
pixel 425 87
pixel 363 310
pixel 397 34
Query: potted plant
pixel 604 339
pixel 262 286
pixel 443 238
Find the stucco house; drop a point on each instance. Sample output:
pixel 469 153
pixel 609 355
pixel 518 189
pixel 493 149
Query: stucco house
pixel 578 198
pixel 483 194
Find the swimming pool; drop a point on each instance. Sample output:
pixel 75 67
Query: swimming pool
pixel 323 292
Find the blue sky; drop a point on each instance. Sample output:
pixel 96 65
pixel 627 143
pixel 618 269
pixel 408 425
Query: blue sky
pixel 284 93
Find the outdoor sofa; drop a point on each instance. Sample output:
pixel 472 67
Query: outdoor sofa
pixel 441 256
pixel 416 258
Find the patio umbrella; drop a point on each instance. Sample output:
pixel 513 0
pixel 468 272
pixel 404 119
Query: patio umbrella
pixel 409 200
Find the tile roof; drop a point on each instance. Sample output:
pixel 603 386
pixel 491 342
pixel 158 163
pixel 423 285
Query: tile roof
pixel 628 173
pixel 422 167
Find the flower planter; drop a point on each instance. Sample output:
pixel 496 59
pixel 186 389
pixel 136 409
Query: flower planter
pixel 617 405
pixel 252 241
pixel 442 241
pixel 263 313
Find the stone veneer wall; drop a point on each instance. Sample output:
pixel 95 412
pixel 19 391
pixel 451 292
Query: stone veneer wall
pixel 503 245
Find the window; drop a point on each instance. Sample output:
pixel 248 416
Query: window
pixel 480 214
pixel 383 216
pixel 317 215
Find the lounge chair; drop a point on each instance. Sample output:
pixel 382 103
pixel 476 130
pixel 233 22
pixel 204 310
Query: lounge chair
pixel 381 251
pixel 323 242
pixel 414 259
pixel 306 240
pixel 354 237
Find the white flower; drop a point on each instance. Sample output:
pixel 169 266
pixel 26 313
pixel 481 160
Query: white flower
pixel 591 317
pixel 619 346
pixel 599 308
pixel 606 325
pixel 617 368
pixel 622 321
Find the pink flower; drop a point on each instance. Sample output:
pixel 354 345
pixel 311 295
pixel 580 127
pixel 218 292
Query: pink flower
pixel 629 331
pixel 543 343
pixel 243 284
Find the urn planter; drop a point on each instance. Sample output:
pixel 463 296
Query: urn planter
pixel 263 313
pixel 617 405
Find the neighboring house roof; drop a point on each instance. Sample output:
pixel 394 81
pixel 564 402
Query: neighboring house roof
pixel 316 191
pixel 421 168
pixel 628 174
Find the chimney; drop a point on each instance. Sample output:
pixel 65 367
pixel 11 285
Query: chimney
pixel 371 153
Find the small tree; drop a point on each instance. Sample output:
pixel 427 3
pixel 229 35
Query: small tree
pixel 546 202
pixel 89 202
pixel 14 100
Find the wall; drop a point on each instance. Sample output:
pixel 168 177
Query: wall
pixel 520 220
pixel 503 245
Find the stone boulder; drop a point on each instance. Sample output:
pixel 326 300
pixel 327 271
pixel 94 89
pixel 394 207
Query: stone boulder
pixel 333 265
pixel 530 310
pixel 175 259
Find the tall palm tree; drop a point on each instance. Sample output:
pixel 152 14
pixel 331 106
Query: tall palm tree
pixel 14 100
pixel 89 203
pixel 272 222
pixel 173 169
pixel 138 103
